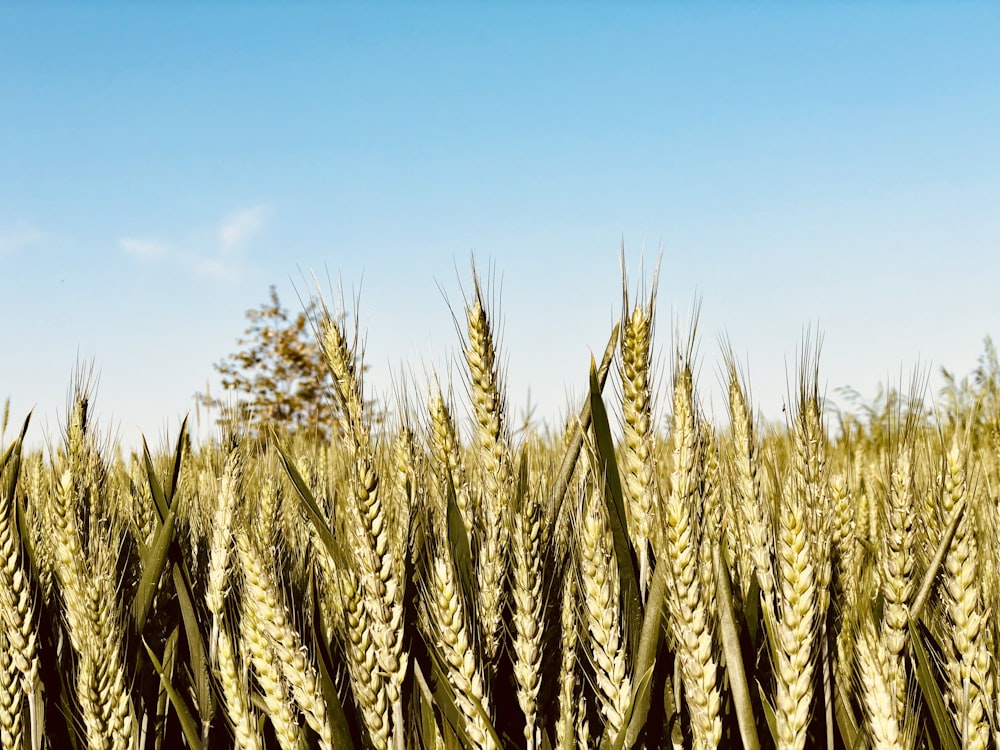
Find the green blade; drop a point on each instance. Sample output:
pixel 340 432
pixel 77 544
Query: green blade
pixel 426 722
pixel 154 561
pixel 639 702
pixel 155 487
pixel 175 475
pixel 312 510
pixel 772 722
pixel 188 724
pixel 611 481
pixel 444 698
pixel 847 723
pixel 340 729
pixel 13 456
pixel 931 691
pixel 579 429
pixel 18 441
pixel 196 647
pixel 734 657
pixel 649 645
pixel 461 552
pixel 924 592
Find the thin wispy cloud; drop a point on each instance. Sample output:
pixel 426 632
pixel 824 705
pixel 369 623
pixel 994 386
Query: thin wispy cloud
pixel 240 227
pixel 217 255
pixel 143 248
pixel 213 268
pixel 20 237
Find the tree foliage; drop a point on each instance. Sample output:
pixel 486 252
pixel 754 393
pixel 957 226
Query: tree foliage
pixel 975 397
pixel 279 377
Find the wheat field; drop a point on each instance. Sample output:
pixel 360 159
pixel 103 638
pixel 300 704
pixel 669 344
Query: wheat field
pixel 640 578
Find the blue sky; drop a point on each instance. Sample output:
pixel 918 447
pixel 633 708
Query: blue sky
pixel 825 164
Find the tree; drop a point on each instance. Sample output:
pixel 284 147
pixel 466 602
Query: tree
pixel 279 378
pixel 976 397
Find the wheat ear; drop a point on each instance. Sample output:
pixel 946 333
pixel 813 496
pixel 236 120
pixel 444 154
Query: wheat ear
pixel 569 638
pixel 687 596
pixel 273 687
pixel 449 629
pixel 11 699
pixel 968 667
pixel 232 672
pixel 493 451
pixel 797 605
pixel 799 567
pixel 260 589
pixel 381 561
pixel 844 538
pixel 39 487
pixel 221 542
pixel 639 487
pixel 600 593
pixel 233 679
pixel 753 518
pixel 447 454
pixel 528 622
pixel 367 678
pixel 898 583
pixel 89 587
pixel 18 614
pixel 877 687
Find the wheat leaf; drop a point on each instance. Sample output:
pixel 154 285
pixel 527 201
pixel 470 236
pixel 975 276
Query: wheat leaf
pixel 611 480
pixel 188 723
pixel 931 691
pixel 734 657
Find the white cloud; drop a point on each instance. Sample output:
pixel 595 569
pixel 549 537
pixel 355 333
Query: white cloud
pixel 212 256
pixel 239 227
pixel 145 249
pixel 215 269
pixel 21 236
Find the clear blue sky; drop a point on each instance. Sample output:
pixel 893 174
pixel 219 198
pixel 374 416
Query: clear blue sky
pixel 830 164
